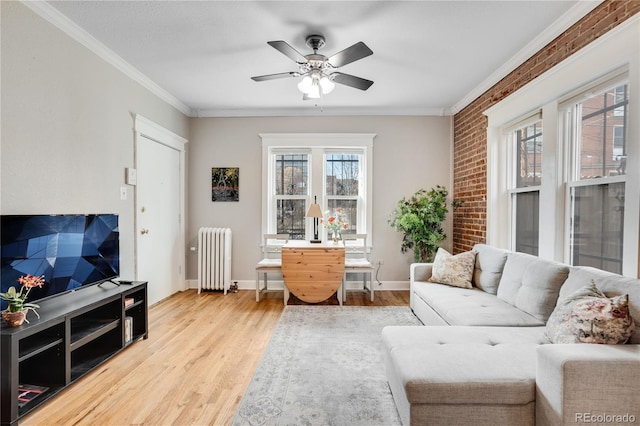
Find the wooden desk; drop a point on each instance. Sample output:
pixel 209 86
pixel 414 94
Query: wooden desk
pixel 313 272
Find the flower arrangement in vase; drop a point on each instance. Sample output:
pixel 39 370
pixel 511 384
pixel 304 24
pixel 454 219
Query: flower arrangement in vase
pixel 16 312
pixel 336 223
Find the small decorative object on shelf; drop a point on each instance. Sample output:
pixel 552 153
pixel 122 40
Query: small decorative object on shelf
pixel 27 393
pixel 336 223
pixel 128 329
pixel 16 312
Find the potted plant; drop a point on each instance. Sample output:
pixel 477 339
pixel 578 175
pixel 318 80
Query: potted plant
pixel 420 218
pixel 16 312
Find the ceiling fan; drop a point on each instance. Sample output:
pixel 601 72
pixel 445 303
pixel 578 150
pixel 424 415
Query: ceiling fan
pixel 318 70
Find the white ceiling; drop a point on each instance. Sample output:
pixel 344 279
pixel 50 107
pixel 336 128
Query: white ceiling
pixel 430 57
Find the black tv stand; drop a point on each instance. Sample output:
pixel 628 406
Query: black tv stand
pixel 76 332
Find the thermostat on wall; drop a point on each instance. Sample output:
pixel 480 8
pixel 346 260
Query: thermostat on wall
pixel 131 175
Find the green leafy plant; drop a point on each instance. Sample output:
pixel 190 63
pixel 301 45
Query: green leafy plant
pixel 420 218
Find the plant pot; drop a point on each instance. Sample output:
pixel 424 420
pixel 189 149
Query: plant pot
pixel 14 319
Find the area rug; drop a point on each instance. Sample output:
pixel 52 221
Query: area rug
pixel 324 365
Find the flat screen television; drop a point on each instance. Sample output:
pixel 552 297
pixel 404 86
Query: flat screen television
pixel 70 251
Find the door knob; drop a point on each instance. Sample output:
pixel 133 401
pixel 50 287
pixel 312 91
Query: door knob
pixel 144 231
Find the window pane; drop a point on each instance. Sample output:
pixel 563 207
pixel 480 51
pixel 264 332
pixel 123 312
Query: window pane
pixel 350 210
pixel 597 234
pixel 290 218
pixel 291 174
pixel 603 141
pixel 342 172
pixel 529 155
pixel 527 228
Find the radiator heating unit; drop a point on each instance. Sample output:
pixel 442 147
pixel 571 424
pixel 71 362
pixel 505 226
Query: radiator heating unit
pixel 214 259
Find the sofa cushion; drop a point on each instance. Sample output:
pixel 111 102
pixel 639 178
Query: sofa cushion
pixel 588 316
pixel 611 285
pixel 462 306
pixel 532 284
pixel 488 268
pixel 440 365
pixel 453 270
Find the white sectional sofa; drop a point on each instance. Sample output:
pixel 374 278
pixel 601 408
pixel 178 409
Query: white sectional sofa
pixel 483 356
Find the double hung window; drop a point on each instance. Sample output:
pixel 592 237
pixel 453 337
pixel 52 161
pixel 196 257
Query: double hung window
pixel 585 190
pixel 334 170
pixel 596 129
pixel 290 192
pixel 343 177
pixel 525 144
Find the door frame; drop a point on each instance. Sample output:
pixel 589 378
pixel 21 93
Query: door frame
pixel 145 128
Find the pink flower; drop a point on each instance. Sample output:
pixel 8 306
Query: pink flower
pixel 30 281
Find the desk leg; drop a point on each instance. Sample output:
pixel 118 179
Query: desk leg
pixel 286 295
pixel 257 286
pixel 343 287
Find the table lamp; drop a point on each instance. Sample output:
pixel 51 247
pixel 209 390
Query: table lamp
pixel 315 212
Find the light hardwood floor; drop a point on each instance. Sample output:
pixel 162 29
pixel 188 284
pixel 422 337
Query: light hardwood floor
pixel 193 369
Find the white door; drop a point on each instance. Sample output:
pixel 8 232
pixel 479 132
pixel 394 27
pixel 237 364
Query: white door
pixel 158 198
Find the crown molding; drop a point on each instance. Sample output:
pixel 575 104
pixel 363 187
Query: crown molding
pixel 319 112
pixel 573 15
pixel 52 15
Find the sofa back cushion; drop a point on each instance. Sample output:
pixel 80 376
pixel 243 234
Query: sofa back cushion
pixel 611 285
pixel 532 284
pixel 488 268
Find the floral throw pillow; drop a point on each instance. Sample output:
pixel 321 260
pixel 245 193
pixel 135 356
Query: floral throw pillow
pixel 453 270
pixel 588 316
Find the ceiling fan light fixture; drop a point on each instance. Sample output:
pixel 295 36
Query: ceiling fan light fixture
pixel 305 85
pixel 314 93
pixel 315 83
pixel 327 85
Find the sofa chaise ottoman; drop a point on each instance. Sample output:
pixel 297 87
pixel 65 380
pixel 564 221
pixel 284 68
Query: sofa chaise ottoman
pixel 484 357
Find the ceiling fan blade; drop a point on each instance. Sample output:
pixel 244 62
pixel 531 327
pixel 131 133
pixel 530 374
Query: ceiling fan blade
pixel 350 54
pixel 275 76
pixel 351 80
pixel 286 49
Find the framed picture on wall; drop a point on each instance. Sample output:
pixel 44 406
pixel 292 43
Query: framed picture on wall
pixel 225 184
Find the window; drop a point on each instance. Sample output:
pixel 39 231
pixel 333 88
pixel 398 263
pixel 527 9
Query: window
pixel 526 146
pixel 335 168
pixel 600 133
pixel 342 178
pixel 291 176
pixel 597 128
pixel 588 203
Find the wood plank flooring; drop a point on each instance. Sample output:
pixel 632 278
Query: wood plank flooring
pixel 193 369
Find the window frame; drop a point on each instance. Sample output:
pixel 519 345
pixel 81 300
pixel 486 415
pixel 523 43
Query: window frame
pixel 318 145
pixel 359 199
pixel 617 53
pixel 509 135
pixel 570 114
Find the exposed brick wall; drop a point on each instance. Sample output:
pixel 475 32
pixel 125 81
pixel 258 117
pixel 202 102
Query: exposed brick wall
pixel 470 125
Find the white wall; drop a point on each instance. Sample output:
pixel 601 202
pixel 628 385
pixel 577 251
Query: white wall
pixel 66 129
pixel 66 138
pixel 409 153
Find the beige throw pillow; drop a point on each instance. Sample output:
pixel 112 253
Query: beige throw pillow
pixel 453 270
pixel 589 316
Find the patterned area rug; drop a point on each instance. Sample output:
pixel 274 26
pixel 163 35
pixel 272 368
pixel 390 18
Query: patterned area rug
pixel 324 365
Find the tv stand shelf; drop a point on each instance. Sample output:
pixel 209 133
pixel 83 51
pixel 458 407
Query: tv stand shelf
pixel 76 332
